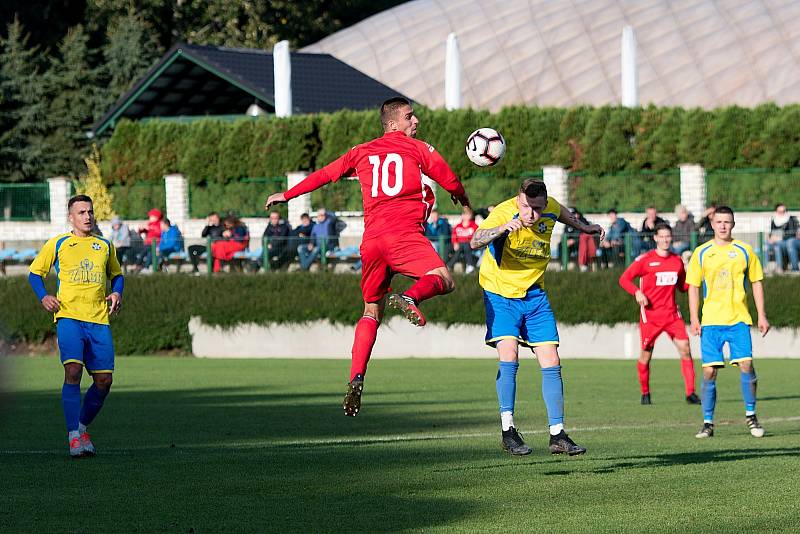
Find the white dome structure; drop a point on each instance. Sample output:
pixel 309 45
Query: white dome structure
pixel 566 52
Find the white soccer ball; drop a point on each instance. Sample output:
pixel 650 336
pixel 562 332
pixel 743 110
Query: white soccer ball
pixel 485 147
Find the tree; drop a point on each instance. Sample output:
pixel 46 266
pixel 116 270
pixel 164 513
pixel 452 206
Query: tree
pixel 91 183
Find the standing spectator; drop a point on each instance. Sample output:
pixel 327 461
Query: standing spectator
pixel 438 231
pixel 324 233
pixel 171 240
pixel 234 239
pixel 613 247
pixel 783 233
pixel 277 237
pixel 121 239
pixel 461 236
pixel 682 232
pixel 213 229
pixel 704 229
pixel 651 219
pixel 151 232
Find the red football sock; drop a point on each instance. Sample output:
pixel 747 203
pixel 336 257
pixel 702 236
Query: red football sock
pixel 426 287
pixel 644 377
pixel 687 370
pixel 366 332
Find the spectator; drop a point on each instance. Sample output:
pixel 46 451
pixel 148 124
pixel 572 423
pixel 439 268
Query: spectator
pixel 171 239
pixel 121 239
pixel 682 231
pixel 302 232
pixel 325 233
pixel 438 231
pixel 783 238
pixel 235 238
pixel 587 246
pixel 276 235
pixel 212 229
pixel 651 219
pixel 151 232
pixel 613 247
pixel 569 238
pixel 704 230
pixel 460 237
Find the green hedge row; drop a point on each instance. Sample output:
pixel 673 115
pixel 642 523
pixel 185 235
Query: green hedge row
pixel 157 308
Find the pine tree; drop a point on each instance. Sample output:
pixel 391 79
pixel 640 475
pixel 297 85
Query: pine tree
pixel 91 183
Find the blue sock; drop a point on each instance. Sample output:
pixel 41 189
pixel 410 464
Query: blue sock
pixel 709 399
pixel 506 384
pixel 71 401
pixel 92 402
pixel 553 393
pixel 749 383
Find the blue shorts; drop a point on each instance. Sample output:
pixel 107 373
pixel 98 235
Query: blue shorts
pixel 529 320
pixel 88 344
pixel 713 338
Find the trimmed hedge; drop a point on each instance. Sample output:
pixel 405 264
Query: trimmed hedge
pixel 157 308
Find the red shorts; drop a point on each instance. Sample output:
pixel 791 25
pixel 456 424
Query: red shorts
pixel 650 329
pixel 409 254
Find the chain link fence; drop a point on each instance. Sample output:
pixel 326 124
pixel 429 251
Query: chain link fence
pixel 25 202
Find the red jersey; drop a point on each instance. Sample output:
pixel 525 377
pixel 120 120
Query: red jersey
pixel 463 234
pixel 390 171
pixel 658 279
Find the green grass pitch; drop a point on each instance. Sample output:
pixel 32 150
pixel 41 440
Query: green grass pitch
pixel 189 445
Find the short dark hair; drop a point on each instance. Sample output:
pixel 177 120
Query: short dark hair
pixel 212 214
pixel 78 198
pixel 389 109
pixel 662 226
pixel 533 188
pixel 779 204
pixel 166 221
pixel 305 216
pixel 612 210
pixel 723 209
pixel 650 208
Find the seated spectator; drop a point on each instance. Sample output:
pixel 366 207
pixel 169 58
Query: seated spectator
pixel 704 230
pixel 121 239
pixel 150 233
pixel 276 235
pixel 613 247
pixel 682 231
pixel 235 238
pixel 324 234
pixel 212 229
pixel 783 238
pixel 171 239
pixel 438 231
pixel 648 230
pixel 301 235
pixel 460 237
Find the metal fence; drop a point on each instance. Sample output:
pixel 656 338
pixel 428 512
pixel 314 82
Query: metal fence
pixel 245 197
pixel 25 202
pixel 632 191
pixel 754 189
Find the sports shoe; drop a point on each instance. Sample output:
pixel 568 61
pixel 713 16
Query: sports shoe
pixel 352 399
pixel 88 446
pixel 646 399
pixel 561 444
pixel 706 432
pixel 693 399
pixel 408 308
pixel 756 430
pixel 75 447
pixel 513 443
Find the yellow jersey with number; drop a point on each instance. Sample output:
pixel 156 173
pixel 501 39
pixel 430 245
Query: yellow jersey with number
pixel 82 265
pixel 516 261
pixel 721 272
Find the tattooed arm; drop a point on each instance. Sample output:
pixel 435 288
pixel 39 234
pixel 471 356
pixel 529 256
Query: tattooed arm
pixel 484 236
pixel 569 219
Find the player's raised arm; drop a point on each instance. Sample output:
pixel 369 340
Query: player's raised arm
pixel 567 218
pixel 435 167
pixel 327 174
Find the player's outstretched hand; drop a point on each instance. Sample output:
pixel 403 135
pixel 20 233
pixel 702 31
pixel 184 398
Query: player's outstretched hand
pixel 116 302
pixel 51 304
pixel 596 229
pixel 763 325
pixel 275 198
pixel 463 200
pixel 512 226
pixel 694 328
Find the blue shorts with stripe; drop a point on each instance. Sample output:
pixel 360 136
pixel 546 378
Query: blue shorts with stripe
pixel 529 320
pixel 86 343
pixel 714 337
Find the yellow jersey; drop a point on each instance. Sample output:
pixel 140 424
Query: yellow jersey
pixel 82 264
pixel 516 261
pixel 721 272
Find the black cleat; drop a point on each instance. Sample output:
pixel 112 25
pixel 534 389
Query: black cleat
pixel 693 399
pixel 706 432
pixel 756 430
pixel 646 399
pixel 352 399
pixel 408 307
pixel 561 444
pixel 513 443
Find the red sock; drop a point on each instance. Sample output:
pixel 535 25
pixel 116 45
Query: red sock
pixel 644 377
pixel 426 287
pixel 687 370
pixel 366 332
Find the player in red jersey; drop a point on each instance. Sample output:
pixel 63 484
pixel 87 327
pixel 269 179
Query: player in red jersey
pixel 660 272
pixel 396 205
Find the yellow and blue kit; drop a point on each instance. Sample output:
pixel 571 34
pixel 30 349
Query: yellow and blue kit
pixel 82 265
pixel 512 277
pixel 722 272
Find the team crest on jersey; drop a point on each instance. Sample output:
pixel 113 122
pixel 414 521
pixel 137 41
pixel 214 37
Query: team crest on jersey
pixel 542 227
pixel 85 273
pixel 732 254
pixel 95 246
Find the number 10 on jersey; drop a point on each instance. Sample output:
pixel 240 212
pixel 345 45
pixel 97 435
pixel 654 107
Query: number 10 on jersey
pixel 380 174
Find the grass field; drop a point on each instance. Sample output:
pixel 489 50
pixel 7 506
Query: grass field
pixel 189 445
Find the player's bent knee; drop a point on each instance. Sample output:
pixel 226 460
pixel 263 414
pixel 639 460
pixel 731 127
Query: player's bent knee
pixel 103 380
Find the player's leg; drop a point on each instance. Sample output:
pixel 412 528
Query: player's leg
pixel 741 346
pixel 643 370
pixel 71 349
pixel 712 340
pixel 99 359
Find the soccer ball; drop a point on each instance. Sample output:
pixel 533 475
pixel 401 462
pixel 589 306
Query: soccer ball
pixel 485 147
